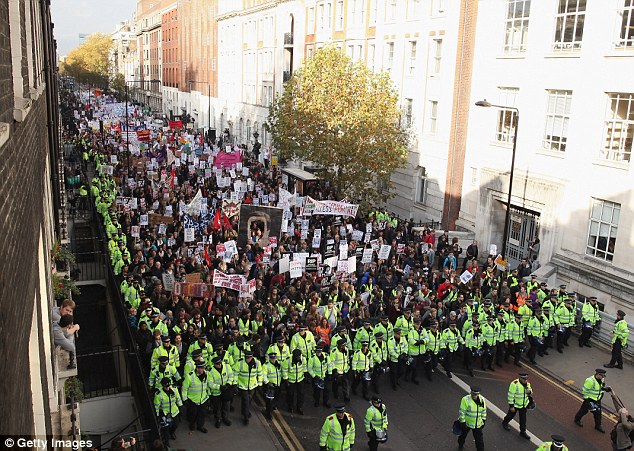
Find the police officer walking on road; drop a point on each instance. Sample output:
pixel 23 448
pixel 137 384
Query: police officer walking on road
pixel 619 341
pixel 589 318
pixel 557 444
pixel 376 423
pixel 592 392
pixel 338 431
pixel 472 415
pixel 519 398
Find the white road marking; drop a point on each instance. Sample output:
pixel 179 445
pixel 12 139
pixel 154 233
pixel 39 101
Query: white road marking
pixel 496 410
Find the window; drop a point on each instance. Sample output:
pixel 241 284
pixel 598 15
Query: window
pixel 390 10
pixel 421 189
pixel 626 35
pixel 569 25
pixel 437 7
pixel 413 9
pixel 516 33
pixel 321 17
pixel 340 15
pixel 474 176
pixel 604 221
pixel 328 16
pixel 437 56
pixel 373 6
pixel 433 117
pixel 371 51
pixel 311 20
pixel 507 118
pixel 407 112
pixel 557 118
pixel 619 127
pixel 357 14
pixel 389 56
pixel 412 57
pixel 309 52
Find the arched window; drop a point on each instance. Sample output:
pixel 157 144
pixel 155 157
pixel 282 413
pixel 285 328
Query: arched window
pixel 240 136
pixel 248 136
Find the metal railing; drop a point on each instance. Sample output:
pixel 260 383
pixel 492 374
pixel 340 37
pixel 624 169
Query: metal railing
pixel 603 330
pixel 104 371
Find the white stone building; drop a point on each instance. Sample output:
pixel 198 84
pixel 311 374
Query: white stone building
pixel 566 65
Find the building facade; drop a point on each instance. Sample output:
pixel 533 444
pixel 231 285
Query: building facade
pixel 31 189
pixel 122 38
pixel 565 66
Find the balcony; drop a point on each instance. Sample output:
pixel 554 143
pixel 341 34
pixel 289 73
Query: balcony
pixel 288 39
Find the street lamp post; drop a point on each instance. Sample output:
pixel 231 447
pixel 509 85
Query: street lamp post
pixel 209 102
pixel 507 220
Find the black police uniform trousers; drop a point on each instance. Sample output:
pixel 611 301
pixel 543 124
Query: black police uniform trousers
pixel 321 393
pixel 396 370
pixel 563 337
pixel 500 352
pixel 246 397
pixel 358 379
pixel 372 443
pixel 271 404
pixel 411 370
pixel 449 359
pixel 585 336
pixel 376 378
pixel 196 414
pixel 510 415
pixel 295 395
pixel 431 362
pixel 340 380
pixel 585 408
pixel 617 357
pixel 469 358
pixel 220 404
pixel 516 350
pixel 534 349
pixel 486 361
pixel 477 436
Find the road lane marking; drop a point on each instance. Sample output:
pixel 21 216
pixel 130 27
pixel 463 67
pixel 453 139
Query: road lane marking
pixel 567 388
pixel 283 428
pixel 496 410
pixel 289 431
pixel 282 433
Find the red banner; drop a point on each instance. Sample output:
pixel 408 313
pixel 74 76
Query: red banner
pixel 193 290
pixel 176 124
pixel 143 135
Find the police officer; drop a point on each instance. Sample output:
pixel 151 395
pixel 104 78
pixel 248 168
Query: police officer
pixel 222 386
pixel 452 340
pixel 161 371
pixel 416 348
pixel 592 392
pixel 378 348
pixel 293 372
pixel 375 423
pixel 619 340
pixel 340 367
pixel 557 444
pixel 565 315
pixel 197 390
pixel 338 431
pixel 518 397
pixel 362 363
pixel 167 403
pixel 319 370
pixel 397 354
pixel 248 373
pixel 272 376
pixel 472 416
pixel 589 318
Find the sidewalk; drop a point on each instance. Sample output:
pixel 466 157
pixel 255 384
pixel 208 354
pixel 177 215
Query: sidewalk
pixel 576 364
pixel 256 436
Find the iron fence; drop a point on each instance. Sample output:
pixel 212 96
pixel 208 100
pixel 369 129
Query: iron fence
pixel 104 371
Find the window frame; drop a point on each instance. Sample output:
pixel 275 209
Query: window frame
pixel 432 128
pixel 413 51
pixel 548 143
pixel 511 23
pixel 593 249
pixel 561 20
pixel 613 125
pixel 436 56
pixel 626 15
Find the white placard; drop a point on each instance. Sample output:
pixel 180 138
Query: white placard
pixel 296 269
pixel 384 252
pixel 189 235
pixel 143 220
pixel 466 277
pixel 367 255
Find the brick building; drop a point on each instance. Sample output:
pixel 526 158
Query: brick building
pixel 30 219
pixel 170 48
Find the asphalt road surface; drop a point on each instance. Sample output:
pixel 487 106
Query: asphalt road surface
pixel 421 417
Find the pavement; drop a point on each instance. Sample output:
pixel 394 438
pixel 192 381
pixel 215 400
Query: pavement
pixel 421 417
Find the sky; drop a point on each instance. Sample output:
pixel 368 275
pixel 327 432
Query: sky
pixel 72 17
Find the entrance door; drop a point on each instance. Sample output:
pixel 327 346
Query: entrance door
pixel 523 229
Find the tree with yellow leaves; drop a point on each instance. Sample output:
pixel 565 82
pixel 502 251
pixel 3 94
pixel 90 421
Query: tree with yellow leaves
pixel 345 118
pixel 90 62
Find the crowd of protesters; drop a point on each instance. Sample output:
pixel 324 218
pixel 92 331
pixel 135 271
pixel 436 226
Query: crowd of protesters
pixel 378 324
